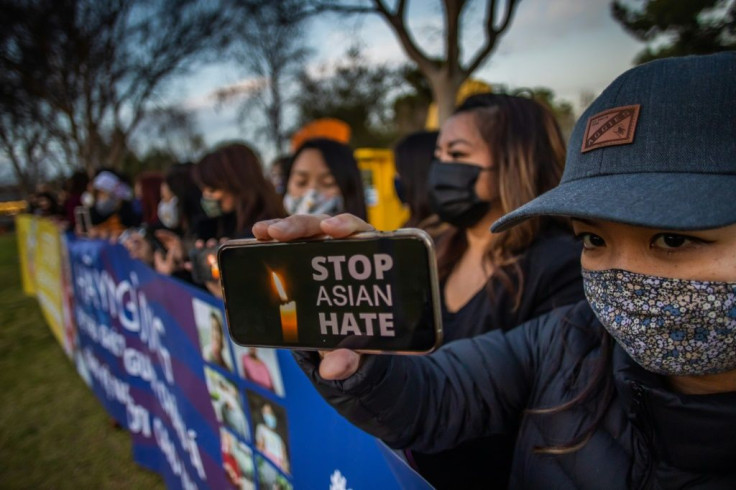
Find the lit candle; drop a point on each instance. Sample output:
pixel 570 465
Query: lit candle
pixel 214 266
pixel 288 313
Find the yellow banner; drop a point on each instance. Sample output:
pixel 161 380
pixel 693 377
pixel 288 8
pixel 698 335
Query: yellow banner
pixel 42 267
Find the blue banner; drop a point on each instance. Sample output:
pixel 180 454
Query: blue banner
pixel 204 412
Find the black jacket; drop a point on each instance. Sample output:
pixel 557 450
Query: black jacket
pixel 648 437
pixel 550 269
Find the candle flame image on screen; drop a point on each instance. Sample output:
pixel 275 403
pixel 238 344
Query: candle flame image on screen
pixel 287 310
pixel 279 287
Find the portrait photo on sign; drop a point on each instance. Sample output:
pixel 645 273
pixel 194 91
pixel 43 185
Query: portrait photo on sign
pixel 226 403
pixel 269 477
pixel 271 429
pixel 261 366
pixel 212 338
pixel 237 461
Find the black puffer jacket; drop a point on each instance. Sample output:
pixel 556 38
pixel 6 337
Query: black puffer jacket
pixel 648 437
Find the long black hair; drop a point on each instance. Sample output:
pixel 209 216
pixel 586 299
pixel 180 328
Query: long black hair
pixel 343 167
pixel 181 182
pixel 412 155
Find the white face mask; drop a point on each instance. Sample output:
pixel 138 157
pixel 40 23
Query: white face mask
pixel 313 202
pixel 168 213
pixel 88 200
pixel 106 206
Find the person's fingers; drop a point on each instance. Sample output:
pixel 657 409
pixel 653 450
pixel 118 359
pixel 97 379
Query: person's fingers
pixel 214 288
pixel 167 238
pixel 339 364
pixel 344 225
pixel 297 226
pixel 162 234
pixel 260 229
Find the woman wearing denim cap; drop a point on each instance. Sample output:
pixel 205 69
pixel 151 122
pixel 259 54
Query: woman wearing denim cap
pixel 635 387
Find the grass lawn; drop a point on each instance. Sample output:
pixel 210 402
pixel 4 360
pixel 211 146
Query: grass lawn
pixel 53 431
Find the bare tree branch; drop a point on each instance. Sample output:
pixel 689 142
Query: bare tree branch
pixel 491 33
pixel 397 21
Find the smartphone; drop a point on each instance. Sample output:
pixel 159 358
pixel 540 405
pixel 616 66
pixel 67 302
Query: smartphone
pixel 204 265
pixel 374 292
pixel 82 219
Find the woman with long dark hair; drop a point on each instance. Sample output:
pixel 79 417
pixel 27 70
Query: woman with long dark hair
pixel 413 155
pixel 496 153
pixel 323 177
pixel 180 207
pixel 235 193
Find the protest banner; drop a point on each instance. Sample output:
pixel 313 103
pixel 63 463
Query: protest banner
pixel 202 411
pixel 45 273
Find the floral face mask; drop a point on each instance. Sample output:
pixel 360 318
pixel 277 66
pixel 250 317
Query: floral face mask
pixel 668 326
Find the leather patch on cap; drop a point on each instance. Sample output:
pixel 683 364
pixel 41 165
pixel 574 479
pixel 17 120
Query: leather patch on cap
pixel 612 127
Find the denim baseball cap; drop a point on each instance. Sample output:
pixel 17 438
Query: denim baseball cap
pixel 657 148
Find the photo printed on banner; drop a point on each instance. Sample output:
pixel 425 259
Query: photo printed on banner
pixel 212 339
pixel 237 461
pixel 226 403
pixel 261 366
pixel 271 430
pixel 269 477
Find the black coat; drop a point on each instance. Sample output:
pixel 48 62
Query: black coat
pixel 648 437
pixel 550 269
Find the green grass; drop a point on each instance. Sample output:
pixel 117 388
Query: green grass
pixel 53 431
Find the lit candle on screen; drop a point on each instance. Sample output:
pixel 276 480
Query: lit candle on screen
pixel 288 312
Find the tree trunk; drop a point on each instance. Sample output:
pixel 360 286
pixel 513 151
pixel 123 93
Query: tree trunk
pixel 444 89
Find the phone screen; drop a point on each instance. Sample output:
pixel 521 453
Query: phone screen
pixel 204 265
pixel 82 218
pixel 376 293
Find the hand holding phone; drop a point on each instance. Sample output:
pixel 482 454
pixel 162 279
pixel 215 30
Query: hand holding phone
pixel 338 364
pixel 372 292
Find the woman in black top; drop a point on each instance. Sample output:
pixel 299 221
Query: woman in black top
pixel 235 193
pixel 494 154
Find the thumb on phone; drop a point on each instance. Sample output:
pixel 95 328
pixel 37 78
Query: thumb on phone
pixel 338 364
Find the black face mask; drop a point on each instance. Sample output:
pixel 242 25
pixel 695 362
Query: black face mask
pixel 400 190
pixel 452 193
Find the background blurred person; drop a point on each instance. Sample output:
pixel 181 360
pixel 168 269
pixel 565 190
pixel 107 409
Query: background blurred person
pixel 324 178
pixel 46 205
pixel 277 173
pixel 494 154
pixel 147 190
pixel 75 185
pixel 413 155
pixel 180 206
pixel 112 210
pixel 235 193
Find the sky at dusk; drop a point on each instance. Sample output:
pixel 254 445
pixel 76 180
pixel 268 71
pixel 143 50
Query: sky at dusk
pixel 571 46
